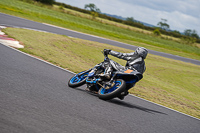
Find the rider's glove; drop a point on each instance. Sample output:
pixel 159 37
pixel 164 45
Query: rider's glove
pixel 106 51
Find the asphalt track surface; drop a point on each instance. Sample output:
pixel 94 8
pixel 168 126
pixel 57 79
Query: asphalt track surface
pixel 35 98
pixel 8 20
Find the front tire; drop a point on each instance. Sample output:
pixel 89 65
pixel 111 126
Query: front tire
pixel 78 79
pixel 116 90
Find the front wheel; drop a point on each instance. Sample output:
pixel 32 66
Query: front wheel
pixel 110 93
pixel 78 79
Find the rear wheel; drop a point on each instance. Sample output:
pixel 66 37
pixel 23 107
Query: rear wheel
pixel 109 93
pixel 78 79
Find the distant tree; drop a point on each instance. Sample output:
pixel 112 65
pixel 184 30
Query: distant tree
pixel 194 34
pixel 131 19
pixel 163 24
pixel 92 7
pixel 188 32
pixel 156 32
pixel 191 33
pixel 49 2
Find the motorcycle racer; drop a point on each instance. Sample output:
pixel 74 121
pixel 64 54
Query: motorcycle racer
pixel 135 60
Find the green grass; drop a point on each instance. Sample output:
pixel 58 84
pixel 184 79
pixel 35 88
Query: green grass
pixel 99 27
pixel 171 83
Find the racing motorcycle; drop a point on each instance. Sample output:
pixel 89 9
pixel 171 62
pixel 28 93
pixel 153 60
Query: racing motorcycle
pixel 117 86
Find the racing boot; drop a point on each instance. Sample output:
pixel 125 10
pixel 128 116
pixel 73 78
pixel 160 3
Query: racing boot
pixel 92 89
pixel 123 94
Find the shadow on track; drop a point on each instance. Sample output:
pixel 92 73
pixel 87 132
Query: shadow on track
pixel 129 105
pixel 124 103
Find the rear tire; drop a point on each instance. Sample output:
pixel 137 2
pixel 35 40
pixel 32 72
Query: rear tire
pixel 116 90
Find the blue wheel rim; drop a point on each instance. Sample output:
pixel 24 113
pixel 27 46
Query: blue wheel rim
pixel 107 91
pixel 78 78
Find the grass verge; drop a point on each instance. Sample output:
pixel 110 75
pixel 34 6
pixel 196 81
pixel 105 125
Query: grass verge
pixel 104 28
pixel 168 82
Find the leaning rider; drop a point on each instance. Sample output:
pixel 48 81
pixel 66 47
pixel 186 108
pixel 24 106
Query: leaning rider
pixel 135 61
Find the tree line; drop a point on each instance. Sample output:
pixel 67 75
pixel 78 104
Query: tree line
pixel 49 2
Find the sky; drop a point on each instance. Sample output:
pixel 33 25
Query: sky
pixel 180 14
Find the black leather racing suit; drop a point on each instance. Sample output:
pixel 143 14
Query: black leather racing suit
pixel 134 61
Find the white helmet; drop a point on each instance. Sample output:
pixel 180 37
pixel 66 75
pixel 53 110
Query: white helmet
pixel 142 52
